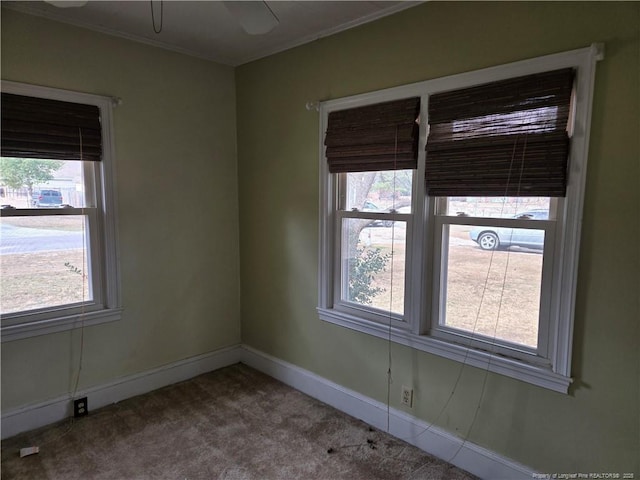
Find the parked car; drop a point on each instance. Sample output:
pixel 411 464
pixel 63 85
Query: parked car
pixel 47 199
pixel 492 238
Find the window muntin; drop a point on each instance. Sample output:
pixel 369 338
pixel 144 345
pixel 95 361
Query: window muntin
pixel 87 214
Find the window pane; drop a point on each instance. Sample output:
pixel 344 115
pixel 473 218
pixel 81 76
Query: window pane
pixel 492 292
pixel 43 262
pixel 36 183
pixel 373 263
pixel 534 208
pixel 379 191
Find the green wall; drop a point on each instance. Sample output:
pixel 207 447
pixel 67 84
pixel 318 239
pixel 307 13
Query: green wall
pixel 176 177
pixel 593 429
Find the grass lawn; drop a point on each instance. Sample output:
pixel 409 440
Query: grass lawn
pixel 68 223
pixel 41 279
pixel 495 294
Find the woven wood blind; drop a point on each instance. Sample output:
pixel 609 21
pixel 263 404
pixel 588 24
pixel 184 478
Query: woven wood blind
pixel 506 138
pixel 383 136
pixel 50 129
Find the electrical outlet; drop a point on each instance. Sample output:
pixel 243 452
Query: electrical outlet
pixel 407 396
pixel 80 407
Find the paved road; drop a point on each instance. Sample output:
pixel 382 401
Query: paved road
pixel 28 240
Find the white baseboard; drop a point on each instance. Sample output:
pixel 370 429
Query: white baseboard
pixel 38 415
pixel 466 455
pixel 433 440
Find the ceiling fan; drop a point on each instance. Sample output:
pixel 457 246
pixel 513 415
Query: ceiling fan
pixel 255 17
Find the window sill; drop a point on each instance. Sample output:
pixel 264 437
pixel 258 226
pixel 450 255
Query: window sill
pixel 60 324
pixel 533 374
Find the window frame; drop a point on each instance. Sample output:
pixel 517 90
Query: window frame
pixel 102 243
pixel 498 346
pixel 553 370
pixel 371 313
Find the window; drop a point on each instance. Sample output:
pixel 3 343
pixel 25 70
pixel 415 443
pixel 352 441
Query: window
pixel 468 250
pixel 371 276
pixel 59 267
pixel 372 151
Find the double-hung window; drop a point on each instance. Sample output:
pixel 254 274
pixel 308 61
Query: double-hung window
pixel 58 242
pixel 372 154
pixel 450 213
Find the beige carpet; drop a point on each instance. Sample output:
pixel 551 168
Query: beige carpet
pixel 231 424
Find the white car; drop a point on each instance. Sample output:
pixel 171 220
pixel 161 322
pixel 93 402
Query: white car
pixel 492 238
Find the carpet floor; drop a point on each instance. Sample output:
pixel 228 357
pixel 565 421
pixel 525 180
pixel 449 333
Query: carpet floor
pixel 232 424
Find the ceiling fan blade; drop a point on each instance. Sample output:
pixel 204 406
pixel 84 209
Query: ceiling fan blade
pixel 66 3
pixel 255 18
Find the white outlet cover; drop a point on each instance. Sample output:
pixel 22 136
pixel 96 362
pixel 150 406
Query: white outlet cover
pixel 407 396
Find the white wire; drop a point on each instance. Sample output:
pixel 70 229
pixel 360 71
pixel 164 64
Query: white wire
pixel 475 326
pixel 393 239
pixel 74 392
pixel 502 289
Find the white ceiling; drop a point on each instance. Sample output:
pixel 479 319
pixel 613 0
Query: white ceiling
pixel 208 30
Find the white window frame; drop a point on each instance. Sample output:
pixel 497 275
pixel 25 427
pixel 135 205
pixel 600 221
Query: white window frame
pixel 101 233
pixel 551 367
pixel 539 355
pixel 351 308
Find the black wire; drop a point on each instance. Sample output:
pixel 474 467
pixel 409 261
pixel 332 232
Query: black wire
pixel 153 18
pixel 272 12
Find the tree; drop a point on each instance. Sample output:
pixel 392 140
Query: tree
pixel 27 172
pixel 363 262
pixel 393 184
pixel 366 263
pixel 360 184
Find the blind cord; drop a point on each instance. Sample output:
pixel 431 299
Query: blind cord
pixel 74 392
pixel 84 280
pixel 502 289
pixel 475 326
pixel 393 239
pixel 153 18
